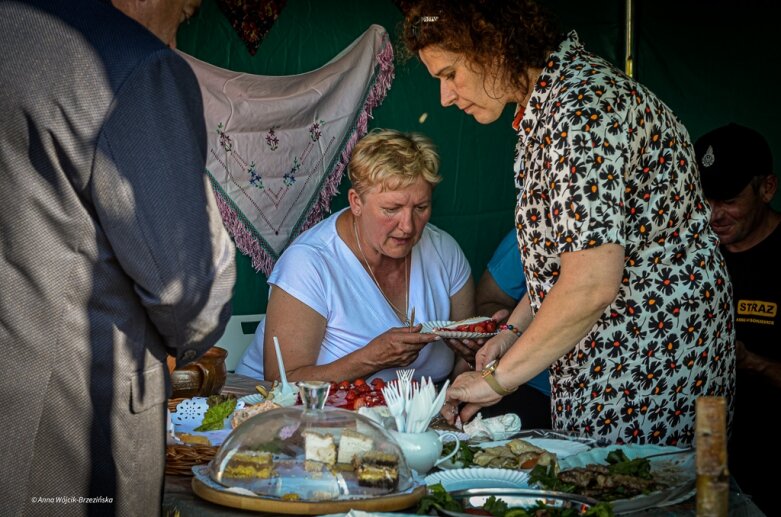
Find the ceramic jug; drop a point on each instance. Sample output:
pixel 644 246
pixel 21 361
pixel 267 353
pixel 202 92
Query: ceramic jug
pixel 423 450
pixel 201 378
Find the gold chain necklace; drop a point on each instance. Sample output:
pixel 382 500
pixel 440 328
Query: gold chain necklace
pixel 401 315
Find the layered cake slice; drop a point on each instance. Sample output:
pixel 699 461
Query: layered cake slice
pixel 377 469
pixel 353 443
pixel 250 464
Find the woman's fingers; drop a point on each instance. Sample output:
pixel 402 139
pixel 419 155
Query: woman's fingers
pixel 462 349
pixel 468 411
pixel 500 315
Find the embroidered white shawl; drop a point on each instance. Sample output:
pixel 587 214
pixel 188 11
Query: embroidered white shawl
pixel 278 145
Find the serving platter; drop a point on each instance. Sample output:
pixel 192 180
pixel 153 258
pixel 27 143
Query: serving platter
pixel 672 466
pixel 206 488
pixel 433 327
pixel 559 443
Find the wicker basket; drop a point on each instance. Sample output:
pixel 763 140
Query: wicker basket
pixel 172 403
pixel 181 457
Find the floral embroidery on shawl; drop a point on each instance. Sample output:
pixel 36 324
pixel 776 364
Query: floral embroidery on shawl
pixel 279 144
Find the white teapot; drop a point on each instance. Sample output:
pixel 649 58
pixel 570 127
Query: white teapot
pixel 422 450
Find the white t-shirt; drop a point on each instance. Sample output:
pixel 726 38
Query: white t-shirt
pixel 320 270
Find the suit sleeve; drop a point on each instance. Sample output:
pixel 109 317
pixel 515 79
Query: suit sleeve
pixel 155 204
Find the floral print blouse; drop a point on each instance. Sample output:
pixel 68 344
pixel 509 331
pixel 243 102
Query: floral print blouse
pixel 600 159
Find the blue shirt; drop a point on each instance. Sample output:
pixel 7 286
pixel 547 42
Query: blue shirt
pixel 506 268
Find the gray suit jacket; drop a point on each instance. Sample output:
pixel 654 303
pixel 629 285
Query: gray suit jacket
pixel 112 254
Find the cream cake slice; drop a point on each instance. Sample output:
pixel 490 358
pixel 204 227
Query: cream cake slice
pixel 351 444
pixel 319 447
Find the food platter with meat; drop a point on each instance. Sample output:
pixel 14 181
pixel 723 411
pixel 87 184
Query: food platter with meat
pixel 631 477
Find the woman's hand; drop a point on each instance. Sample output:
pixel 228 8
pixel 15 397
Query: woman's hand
pixel 398 346
pixel 494 348
pixel 469 388
pixel 466 348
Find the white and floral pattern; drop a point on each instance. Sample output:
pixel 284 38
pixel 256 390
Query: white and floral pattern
pixel 600 159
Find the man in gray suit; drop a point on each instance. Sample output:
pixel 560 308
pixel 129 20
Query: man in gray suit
pixel 112 251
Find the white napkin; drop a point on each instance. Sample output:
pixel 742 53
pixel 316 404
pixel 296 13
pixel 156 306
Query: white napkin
pixel 171 438
pixel 494 428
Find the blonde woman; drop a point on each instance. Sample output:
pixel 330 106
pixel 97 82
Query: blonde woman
pixel 343 294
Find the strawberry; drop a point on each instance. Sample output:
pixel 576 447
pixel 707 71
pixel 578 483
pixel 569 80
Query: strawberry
pixel 378 383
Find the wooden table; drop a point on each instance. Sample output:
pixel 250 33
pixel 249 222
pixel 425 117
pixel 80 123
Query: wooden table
pixel 179 499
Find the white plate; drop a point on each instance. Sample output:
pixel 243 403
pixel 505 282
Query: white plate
pixel 678 471
pixel 461 479
pixel 449 438
pixel 253 398
pixel 430 327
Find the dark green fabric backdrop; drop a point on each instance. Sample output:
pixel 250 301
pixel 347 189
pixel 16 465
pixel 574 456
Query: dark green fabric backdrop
pixel 710 68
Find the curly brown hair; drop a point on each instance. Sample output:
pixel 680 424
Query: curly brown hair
pixel 519 32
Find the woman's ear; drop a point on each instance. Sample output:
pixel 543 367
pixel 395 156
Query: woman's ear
pixel 355 202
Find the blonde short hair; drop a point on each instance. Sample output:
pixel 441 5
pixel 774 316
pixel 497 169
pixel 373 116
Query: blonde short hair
pixel 393 160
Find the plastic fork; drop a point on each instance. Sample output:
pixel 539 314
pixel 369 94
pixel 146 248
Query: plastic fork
pixel 395 403
pixel 418 417
pixel 405 385
pixel 439 401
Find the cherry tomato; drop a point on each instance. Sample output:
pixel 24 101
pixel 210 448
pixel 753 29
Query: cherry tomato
pixel 530 463
pixel 351 395
pixel 359 382
pixel 490 326
pixel 378 383
pixel 344 385
pixel 480 328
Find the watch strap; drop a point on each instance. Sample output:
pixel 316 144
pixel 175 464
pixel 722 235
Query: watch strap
pixel 488 375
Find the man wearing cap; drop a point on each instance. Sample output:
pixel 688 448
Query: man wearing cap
pixel 736 167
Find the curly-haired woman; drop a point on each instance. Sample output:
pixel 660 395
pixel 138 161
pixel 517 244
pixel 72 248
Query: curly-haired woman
pixel 629 302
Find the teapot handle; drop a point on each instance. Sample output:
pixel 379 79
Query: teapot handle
pixel 455 449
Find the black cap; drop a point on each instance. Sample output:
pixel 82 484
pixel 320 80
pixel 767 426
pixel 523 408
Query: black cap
pixel 729 158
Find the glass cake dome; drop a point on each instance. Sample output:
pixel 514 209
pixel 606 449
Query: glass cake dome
pixel 311 453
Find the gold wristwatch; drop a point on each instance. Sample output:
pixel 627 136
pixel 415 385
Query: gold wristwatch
pixel 488 375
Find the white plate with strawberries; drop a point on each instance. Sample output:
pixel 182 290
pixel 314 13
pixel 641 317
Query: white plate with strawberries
pixel 471 328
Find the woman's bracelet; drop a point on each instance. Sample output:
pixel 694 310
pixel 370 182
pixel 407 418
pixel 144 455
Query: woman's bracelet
pixel 511 328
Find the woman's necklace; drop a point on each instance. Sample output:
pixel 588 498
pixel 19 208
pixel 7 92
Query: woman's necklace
pixel 402 315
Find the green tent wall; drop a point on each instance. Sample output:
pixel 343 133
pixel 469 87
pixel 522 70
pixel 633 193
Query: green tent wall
pixel 710 62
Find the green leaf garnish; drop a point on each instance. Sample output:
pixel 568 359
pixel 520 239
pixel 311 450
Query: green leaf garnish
pixel 215 416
